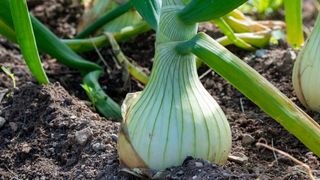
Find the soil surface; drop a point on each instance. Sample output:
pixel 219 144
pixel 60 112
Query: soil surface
pixel 52 132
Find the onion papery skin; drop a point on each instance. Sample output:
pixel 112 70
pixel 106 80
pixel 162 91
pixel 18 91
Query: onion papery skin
pixel 306 71
pixel 174 116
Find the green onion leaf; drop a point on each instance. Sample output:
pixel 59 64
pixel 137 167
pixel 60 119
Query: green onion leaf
pixel 7 31
pixel 201 10
pixel 109 16
pixel 105 105
pixel 226 29
pixel 149 10
pixel 88 44
pixel 52 45
pixel 256 88
pixel 293 11
pixel 26 40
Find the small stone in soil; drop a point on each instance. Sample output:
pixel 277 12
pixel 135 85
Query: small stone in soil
pixel 114 137
pixel 26 148
pixel 247 139
pixel 98 147
pixel 261 53
pixel 83 135
pixel 109 162
pixel 2 121
pixel 238 159
pixel 180 173
pixel 198 164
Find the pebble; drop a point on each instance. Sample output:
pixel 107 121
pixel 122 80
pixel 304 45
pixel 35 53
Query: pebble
pixel 198 164
pixel 98 147
pixel 240 158
pixel 291 55
pixel 247 139
pixel 179 173
pixel 261 53
pixel 109 162
pixel 104 156
pixel 83 135
pixel 2 121
pixel 80 176
pixel 114 137
pixel 26 148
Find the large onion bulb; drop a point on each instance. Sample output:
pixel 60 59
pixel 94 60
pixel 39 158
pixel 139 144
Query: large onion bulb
pixel 174 116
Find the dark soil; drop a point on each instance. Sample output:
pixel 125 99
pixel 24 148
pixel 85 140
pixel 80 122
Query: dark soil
pixel 50 134
pixel 54 135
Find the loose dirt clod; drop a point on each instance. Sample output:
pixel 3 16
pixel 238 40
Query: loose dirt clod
pixel 247 139
pixel 83 135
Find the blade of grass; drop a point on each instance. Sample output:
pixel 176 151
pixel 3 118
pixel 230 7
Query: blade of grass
pixel 293 12
pixel 10 74
pixel 26 39
pixel 256 88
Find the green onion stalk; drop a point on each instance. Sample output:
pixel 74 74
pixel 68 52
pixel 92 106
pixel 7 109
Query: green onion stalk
pixel 293 12
pixel 174 116
pixel 305 77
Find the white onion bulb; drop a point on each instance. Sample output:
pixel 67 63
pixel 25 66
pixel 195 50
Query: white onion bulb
pixel 306 71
